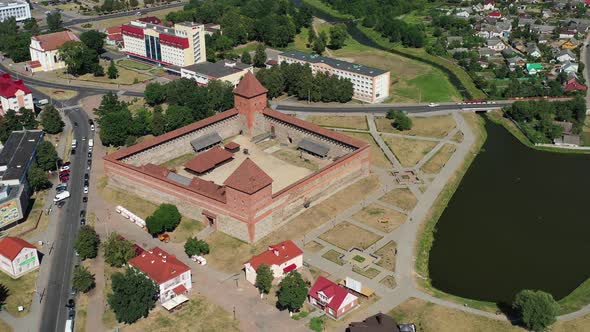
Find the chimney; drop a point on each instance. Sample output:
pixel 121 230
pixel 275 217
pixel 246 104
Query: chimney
pixel 163 261
pixel 153 262
pixel 283 245
pixel 276 252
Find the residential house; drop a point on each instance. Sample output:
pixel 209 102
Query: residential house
pixel 503 29
pixel 569 44
pixel 44 50
pixel 376 323
pixel 489 5
pixel 331 298
pixel 532 50
pixel 462 14
pixel 522 22
pixel 568 138
pixel 569 67
pixel 519 45
pixel 533 68
pixel 458 50
pixel 543 29
pixel 17 257
pixel 543 39
pixel 514 62
pixel 478 8
pixel 567 34
pixel 495 14
pixel 496 44
pixel 282 258
pixel 573 84
pixel 14 94
pixel 485 52
pixel 508 52
pixel 114 36
pixel 565 55
pixel 172 276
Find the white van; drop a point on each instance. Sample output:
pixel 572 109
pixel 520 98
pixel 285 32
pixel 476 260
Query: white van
pixel 74 144
pixel 91 142
pixel 61 196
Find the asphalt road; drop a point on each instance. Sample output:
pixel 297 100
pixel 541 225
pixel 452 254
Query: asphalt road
pixel 383 108
pixel 58 291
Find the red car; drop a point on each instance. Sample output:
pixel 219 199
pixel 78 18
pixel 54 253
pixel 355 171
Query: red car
pixel 64 178
pixel 62 173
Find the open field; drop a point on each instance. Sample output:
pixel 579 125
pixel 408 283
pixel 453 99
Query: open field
pixel 228 253
pixel 387 254
pixel 132 64
pixel 31 221
pixel 121 20
pixel 196 315
pixel 581 324
pixel 346 236
pixel 408 151
pixel 126 76
pixel 4 327
pixel 388 281
pixel 378 158
pixel 430 317
pixel 348 122
pixel 187 228
pixel 333 256
pixel 294 157
pixel 440 158
pixel 458 137
pixel 380 218
pixel 431 126
pixel 402 198
pixel 21 292
pixel 57 94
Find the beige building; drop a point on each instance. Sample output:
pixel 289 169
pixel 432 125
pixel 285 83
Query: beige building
pixel 17 257
pixel 225 70
pixel 282 258
pixel 44 50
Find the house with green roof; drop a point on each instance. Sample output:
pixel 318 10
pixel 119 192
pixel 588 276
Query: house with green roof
pixel 533 68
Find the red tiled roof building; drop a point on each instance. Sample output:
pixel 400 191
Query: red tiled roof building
pixel 574 85
pixel 282 258
pixel 14 94
pixel 331 298
pixel 17 256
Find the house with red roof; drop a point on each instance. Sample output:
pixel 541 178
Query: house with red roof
pixel 331 298
pixel 282 258
pixel 172 276
pixel 573 85
pixel 495 14
pixel 14 94
pixel 44 50
pixel 17 257
pixel 114 36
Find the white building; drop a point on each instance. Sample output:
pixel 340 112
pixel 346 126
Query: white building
pixel 370 84
pixel 181 46
pixel 282 258
pixel 225 70
pixel 44 50
pixel 14 94
pixel 18 9
pixel 172 276
pixel 17 256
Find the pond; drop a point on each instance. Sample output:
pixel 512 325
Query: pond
pixel 517 221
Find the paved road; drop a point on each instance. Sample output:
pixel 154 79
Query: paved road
pixel 383 108
pixel 59 285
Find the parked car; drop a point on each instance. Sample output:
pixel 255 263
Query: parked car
pixel 89 155
pixel 86 189
pixel 82 213
pixel 60 189
pixel 433 105
pixel 164 238
pixel 82 221
pixel 73 151
pixel 60 204
pixel 86 176
pixel 85 199
pixel 92 127
pixel 64 168
pixel 61 196
pixel 64 179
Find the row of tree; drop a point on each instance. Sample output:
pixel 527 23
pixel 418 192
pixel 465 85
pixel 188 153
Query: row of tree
pixel 297 80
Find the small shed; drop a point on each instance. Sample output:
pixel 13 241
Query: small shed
pixel 232 147
pixel 314 147
pixel 205 141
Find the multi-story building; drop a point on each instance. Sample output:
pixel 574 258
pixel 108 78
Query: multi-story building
pixel 228 71
pixel 44 50
pixel 282 258
pixel 181 46
pixel 14 94
pixel 17 256
pixel 172 276
pixel 18 9
pixel 370 84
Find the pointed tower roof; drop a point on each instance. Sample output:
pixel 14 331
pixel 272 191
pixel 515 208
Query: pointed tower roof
pixel 249 86
pixel 248 178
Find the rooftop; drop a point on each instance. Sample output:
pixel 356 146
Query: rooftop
pixel 9 87
pixel 17 153
pixel 159 265
pixel 208 159
pixel 249 86
pixel 248 178
pixel 276 254
pixel 335 293
pixel 335 63
pixel 53 41
pixel 10 246
pixel 218 69
pixel 12 3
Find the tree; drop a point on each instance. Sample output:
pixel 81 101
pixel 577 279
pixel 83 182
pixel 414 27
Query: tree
pixel 114 128
pixel 292 292
pixel 133 295
pixel 246 58
pixel 93 39
pixel 133 3
pixel 260 56
pixel 311 37
pixel 87 242
pixel 264 278
pixel 164 219
pixel 158 124
pixel 37 178
pixel 273 80
pixel 83 280
pixel 400 120
pixel 117 250
pixel 319 46
pixel 54 22
pixel 155 93
pixel 113 71
pixel 178 116
pixel 31 26
pixel 537 309
pixel 98 70
pixel 46 156
pixel 193 246
pixel 338 36
pixel 27 118
pixel 79 59
pixel 51 120
pixel 4 293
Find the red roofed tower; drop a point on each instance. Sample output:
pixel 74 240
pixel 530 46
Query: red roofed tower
pixel 249 98
pixel 248 190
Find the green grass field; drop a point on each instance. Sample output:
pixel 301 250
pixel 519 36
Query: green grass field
pixel 133 64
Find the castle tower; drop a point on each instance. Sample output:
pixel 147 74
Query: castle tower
pixel 249 98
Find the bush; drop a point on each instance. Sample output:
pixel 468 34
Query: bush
pixel 193 246
pixel 317 324
pixel 164 219
pixel 83 280
pixel 400 120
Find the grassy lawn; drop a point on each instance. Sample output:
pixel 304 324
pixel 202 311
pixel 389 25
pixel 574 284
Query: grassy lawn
pixel 197 314
pixel 348 122
pixel 370 272
pixel 57 94
pixel 403 198
pixel 333 256
pixel 378 158
pixel 178 161
pixel 576 299
pixel 31 221
pixel 408 151
pixel 313 246
pixel 440 158
pixel 132 64
pixel 228 253
pixel 430 317
pixel 387 254
pixel 458 137
pixel 126 76
pixel 431 126
pixel 346 236
pixel 21 292
pixel 294 157
pixel 187 228
pixel 380 218
pixel 388 281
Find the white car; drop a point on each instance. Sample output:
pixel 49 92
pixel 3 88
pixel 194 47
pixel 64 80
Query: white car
pixel 91 127
pixel 64 168
pixel 86 189
pixel 433 105
pixel 61 196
